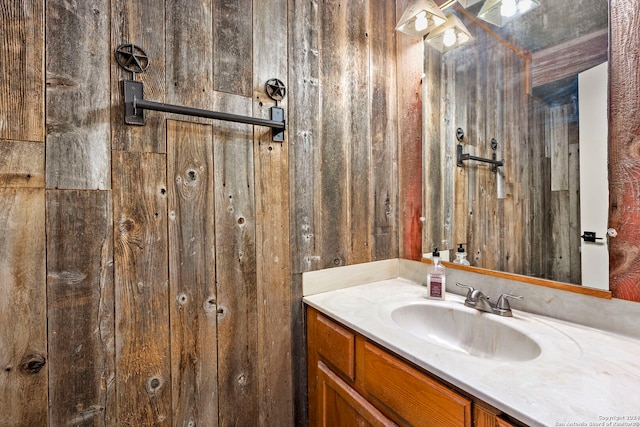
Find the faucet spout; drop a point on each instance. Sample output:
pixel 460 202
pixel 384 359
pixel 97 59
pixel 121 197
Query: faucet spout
pixel 479 301
pixel 476 299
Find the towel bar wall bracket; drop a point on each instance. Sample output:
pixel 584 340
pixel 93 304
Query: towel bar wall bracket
pixel 135 104
pixel 463 157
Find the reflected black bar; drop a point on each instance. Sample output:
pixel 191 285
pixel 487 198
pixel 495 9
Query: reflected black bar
pixel 143 104
pixel 481 159
pixel 463 157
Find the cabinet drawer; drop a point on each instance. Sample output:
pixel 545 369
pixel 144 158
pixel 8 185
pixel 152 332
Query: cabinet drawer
pixel 341 405
pixel 407 395
pixel 334 344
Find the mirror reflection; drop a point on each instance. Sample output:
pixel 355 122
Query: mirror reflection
pixel 530 97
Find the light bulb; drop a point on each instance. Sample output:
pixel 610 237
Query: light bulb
pixel 449 37
pixel 421 21
pixel 524 5
pixel 508 8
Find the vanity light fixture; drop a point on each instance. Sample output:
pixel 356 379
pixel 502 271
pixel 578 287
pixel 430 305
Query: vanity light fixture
pixel 450 35
pixel 420 18
pixel 501 12
pixel 468 3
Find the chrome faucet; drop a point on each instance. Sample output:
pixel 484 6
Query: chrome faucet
pixel 476 299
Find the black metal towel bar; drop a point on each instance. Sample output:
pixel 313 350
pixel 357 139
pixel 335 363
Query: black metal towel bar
pixel 135 104
pixel 462 157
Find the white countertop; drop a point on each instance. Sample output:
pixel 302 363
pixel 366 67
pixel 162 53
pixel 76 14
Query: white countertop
pixel 583 376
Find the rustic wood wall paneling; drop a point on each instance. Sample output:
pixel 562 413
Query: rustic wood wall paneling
pixel 143 380
pixel 384 131
pixel 233 44
pixel 305 131
pixel 23 317
pixel 559 139
pixel 339 100
pixel 538 193
pixel 273 358
pixel 525 166
pixel 23 336
pixel 463 113
pixel 475 134
pixel 189 55
pixel 453 115
pixel 513 149
pixel 273 269
pixel 432 112
pixel 303 137
pixel 141 22
pixel 575 266
pixel 22 70
pixel 235 230
pixel 80 308
pixel 356 128
pixel 508 193
pixel 624 139
pixel 21 164
pixel 489 212
pixel 192 289
pixel 78 98
pixel 409 69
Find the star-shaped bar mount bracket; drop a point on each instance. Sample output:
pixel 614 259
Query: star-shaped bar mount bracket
pixel 276 90
pixel 132 58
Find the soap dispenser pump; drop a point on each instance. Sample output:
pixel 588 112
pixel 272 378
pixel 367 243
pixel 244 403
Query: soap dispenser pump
pixel 461 256
pixel 436 277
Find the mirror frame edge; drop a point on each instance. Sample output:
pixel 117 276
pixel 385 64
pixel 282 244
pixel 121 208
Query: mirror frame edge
pixel 568 287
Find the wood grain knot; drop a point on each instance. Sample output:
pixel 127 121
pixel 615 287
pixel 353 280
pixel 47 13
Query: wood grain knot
pixel 209 305
pixel 32 363
pixel 126 225
pixel 242 380
pixel 153 385
pixel 182 298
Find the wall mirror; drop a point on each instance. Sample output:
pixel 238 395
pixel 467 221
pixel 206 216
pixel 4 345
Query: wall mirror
pixel 533 94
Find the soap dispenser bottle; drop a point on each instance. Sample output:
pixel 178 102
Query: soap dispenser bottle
pixel 436 278
pixel 461 256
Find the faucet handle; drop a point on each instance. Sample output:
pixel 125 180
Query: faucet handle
pixel 503 303
pixel 471 289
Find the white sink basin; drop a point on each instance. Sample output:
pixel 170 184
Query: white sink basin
pixel 466 330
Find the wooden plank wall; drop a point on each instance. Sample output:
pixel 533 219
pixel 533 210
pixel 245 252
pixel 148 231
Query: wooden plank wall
pixel 506 219
pixel 343 133
pixel 23 309
pixel 409 65
pixel 624 158
pixel 154 271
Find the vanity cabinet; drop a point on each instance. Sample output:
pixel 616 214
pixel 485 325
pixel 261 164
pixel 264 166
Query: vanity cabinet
pixel 354 382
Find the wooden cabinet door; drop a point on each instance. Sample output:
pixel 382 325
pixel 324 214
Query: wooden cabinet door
pixel 406 394
pixel 485 417
pixel 340 405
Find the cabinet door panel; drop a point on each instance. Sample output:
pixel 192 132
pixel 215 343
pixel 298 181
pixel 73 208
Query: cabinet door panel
pixel 340 405
pixel 336 345
pixel 407 394
pixel 485 417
